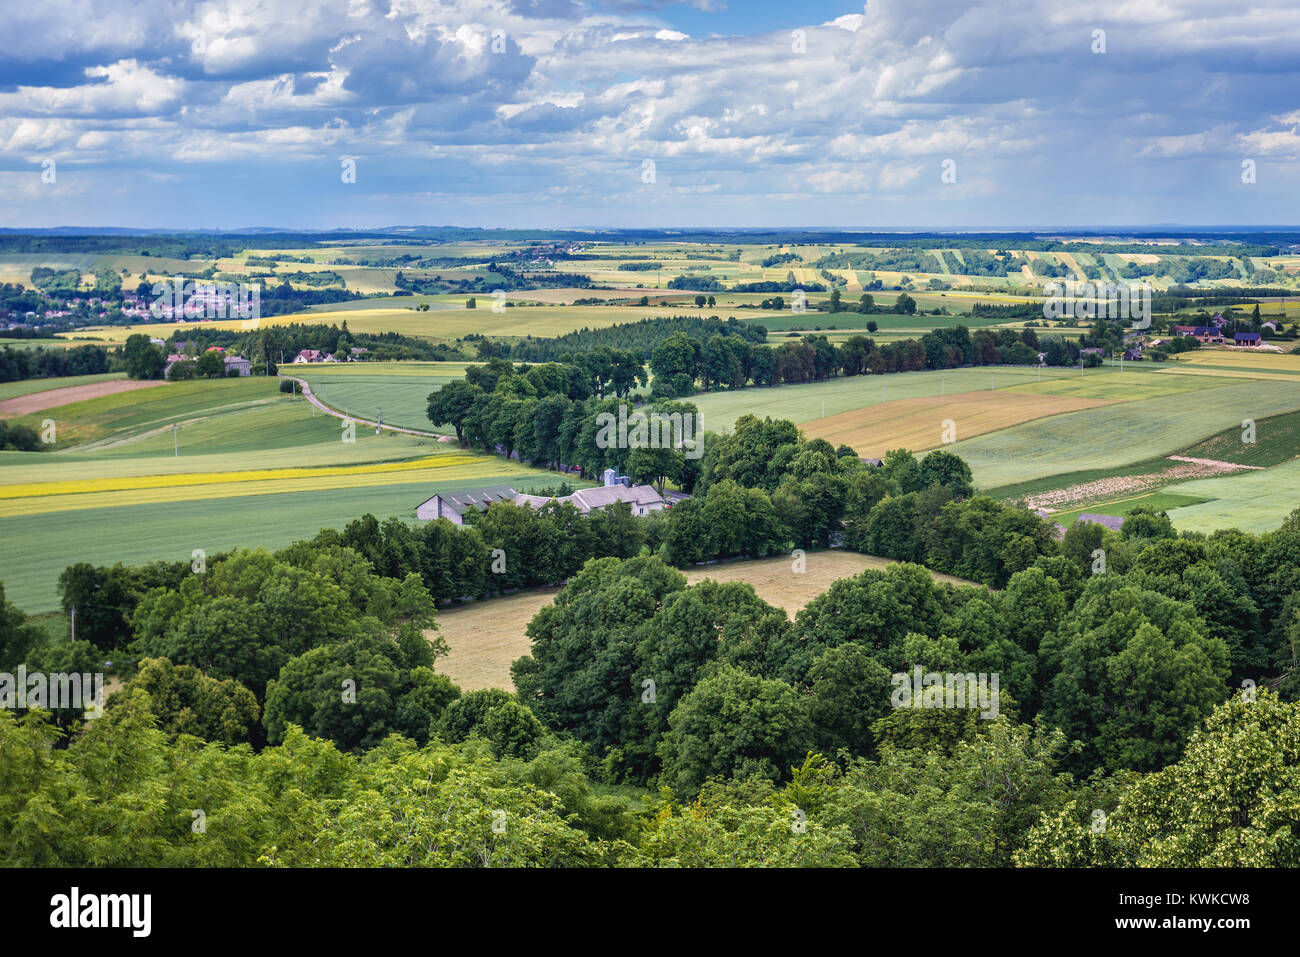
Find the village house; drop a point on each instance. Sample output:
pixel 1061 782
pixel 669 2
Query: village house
pixel 1207 334
pixel 172 359
pixel 313 355
pixel 238 364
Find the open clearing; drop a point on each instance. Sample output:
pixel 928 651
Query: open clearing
pixel 485 637
pixel 919 424
pixel 52 398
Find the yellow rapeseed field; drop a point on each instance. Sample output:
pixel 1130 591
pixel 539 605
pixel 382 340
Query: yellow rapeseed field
pixel 75 486
pixel 443 472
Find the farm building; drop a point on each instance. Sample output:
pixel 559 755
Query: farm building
pixel 454 505
pixel 1251 339
pixel 643 499
pixel 1113 522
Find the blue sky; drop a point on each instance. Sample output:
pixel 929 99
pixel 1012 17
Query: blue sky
pixel 617 113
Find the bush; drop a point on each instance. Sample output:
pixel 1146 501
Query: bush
pixel 23 438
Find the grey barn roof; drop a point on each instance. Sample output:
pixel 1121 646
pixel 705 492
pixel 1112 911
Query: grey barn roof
pixel 480 498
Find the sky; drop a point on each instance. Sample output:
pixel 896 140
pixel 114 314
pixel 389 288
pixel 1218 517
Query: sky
pixel 906 114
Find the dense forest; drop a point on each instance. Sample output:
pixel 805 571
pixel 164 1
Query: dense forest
pixel 294 696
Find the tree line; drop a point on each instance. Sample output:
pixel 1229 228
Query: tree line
pixel 39 363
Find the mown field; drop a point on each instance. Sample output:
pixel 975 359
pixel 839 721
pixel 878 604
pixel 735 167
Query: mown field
pixel 929 422
pixel 803 402
pixel 1040 431
pixel 11 390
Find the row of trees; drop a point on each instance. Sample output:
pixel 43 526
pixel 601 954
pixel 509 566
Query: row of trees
pixel 18 364
pixel 681 362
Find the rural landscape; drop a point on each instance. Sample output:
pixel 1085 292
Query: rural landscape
pixel 726 479
pixel 424 467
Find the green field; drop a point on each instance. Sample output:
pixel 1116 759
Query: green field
pixel 1121 434
pixel 157 407
pixel 1160 501
pixel 401 389
pixel 1251 501
pixel 38 547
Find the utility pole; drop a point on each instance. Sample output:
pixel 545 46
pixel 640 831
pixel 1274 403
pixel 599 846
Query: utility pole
pixel 176 442
pixel 379 424
pixel 74 622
